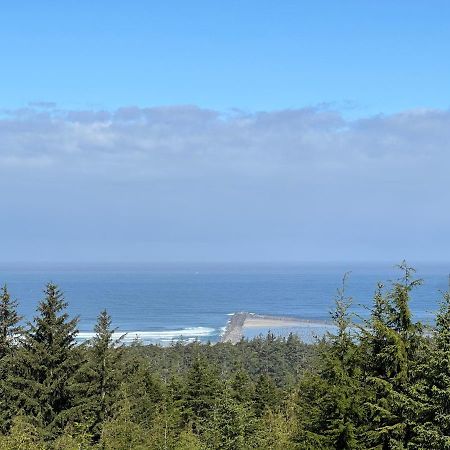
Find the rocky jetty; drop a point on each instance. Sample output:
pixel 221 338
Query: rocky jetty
pixel 234 331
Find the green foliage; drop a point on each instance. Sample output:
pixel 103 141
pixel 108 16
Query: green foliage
pixel 275 431
pixel 381 384
pixel 230 424
pixel 74 437
pixel 201 394
pixel 10 332
pixel 9 322
pixel 121 433
pixel 147 391
pixel 242 386
pixel 266 395
pixel 392 345
pixel 99 378
pixel 165 427
pixel 433 385
pixel 46 364
pixel 331 400
pixel 188 440
pixel 22 436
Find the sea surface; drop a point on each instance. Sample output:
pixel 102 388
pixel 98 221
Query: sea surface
pixel 162 303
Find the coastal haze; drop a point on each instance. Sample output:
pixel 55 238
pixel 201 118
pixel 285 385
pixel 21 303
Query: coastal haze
pixel 170 184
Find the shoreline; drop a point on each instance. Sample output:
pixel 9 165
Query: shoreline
pixel 239 325
pixel 240 321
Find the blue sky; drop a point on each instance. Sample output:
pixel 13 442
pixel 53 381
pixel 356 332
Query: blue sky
pixel 224 131
pixel 362 56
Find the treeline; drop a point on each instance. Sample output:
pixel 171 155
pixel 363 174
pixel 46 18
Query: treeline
pixel 378 383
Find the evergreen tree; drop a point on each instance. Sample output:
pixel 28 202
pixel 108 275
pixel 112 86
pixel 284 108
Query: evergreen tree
pixel 294 352
pixel 10 331
pixel 433 429
pixel 76 436
pixel 101 375
pixel 121 433
pixel 242 386
pixel 44 370
pixel 266 395
pixel 275 431
pixel 146 391
pixel 392 344
pixel 166 424
pixel 331 401
pixel 201 392
pixel 9 322
pixel 188 441
pixel 229 425
pixel 22 436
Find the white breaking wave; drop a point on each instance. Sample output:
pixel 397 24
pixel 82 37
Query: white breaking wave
pixel 151 336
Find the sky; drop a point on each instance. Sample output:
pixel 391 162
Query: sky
pixel 262 130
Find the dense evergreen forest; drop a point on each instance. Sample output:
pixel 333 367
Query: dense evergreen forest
pixel 379 382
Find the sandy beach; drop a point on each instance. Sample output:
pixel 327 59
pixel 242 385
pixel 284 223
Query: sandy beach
pixel 276 322
pixel 240 321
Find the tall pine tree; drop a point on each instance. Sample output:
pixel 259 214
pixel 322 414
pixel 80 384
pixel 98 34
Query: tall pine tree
pixel 100 376
pixel 44 370
pixel 9 322
pixel 331 401
pixel 200 395
pixel 392 344
pixel 433 385
pixel 230 424
pixel 10 331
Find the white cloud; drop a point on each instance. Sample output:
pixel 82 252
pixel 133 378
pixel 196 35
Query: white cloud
pixel 295 179
pixel 189 138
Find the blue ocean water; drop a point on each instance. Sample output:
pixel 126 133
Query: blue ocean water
pixel 160 303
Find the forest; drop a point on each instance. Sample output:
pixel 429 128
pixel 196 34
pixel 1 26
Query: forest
pixel 381 381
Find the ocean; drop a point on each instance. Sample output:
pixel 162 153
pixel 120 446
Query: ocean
pixel 160 303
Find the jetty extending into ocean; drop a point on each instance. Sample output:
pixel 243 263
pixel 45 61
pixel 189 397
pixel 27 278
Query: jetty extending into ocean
pixel 234 330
